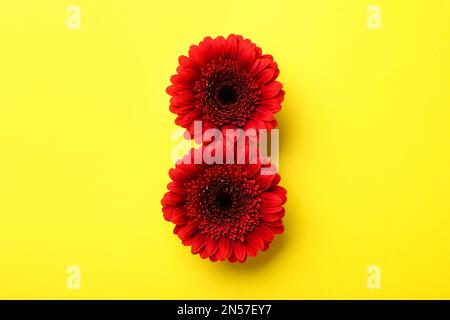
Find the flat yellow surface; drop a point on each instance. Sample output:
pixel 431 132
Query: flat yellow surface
pixel 85 138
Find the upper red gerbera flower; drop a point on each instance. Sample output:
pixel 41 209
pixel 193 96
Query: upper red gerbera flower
pixel 224 211
pixel 226 82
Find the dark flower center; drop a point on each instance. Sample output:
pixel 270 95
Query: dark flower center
pixel 224 201
pixel 227 94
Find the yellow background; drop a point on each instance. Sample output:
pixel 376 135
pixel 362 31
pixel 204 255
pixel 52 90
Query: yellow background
pixel 85 138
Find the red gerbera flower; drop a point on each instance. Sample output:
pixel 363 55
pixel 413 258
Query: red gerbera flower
pixel 226 82
pixel 224 211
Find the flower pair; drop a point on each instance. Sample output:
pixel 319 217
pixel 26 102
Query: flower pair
pixel 225 211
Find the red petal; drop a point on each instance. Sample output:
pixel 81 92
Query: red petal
pixel 174 199
pixel 268 217
pixel 281 192
pixel 271 90
pixel 275 74
pixel 270 199
pixel 188 75
pixel 225 249
pixel 187 241
pixel 176 187
pixel 198 242
pixel 186 63
pixel 252 170
pixel 270 209
pixel 211 247
pixel 239 251
pixel 265 76
pixel 232 46
pixel 260 65
pixel 265 233
pixel 276 180
pixel 251 251
pixel 271 104
pixel 188 230
pixel 171 90
pixel 264 181
pixel 259 124
pixel 258 52
pixel 273 216
pixel 183 100
pixel 246 54
pixel 177 228
pixel 196 55
pixel 255 240
pixel 179 216
pixel 180 110
pixel 271 224
pixel 202 253
pixel 219 47
pixel 167 212
pixel 184 172
pixel 263 113
pixel 277 230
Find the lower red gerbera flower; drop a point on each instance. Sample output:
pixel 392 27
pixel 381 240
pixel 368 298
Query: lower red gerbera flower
pixel 224 211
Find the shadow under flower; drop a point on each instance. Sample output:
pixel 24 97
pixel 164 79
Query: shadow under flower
pixel 288 145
